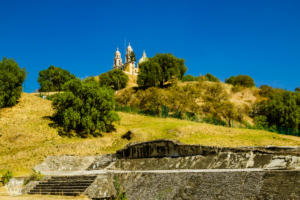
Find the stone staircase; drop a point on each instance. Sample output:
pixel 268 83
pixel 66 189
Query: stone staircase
pixel 63 185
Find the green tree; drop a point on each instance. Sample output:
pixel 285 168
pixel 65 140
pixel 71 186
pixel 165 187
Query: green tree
pixel 280 110
pixel 150 74
pixel 85 108
pixel 116 79
pixel 160 69
pixel 11 80
pixel 240 80
pixel 53 79
pixel 297 89
pixel 228 111
pixel 132 56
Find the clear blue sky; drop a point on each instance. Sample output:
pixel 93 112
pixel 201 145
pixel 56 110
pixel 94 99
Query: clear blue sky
pixel 255 37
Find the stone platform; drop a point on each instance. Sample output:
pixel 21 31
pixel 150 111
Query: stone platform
pixel 165 169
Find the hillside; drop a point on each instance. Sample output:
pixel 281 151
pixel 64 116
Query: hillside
pixel 26 137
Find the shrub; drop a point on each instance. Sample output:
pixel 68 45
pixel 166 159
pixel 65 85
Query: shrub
pixel 89 79
pixel 116 79
pixel 297 89
pixel 210 77
pixel 189 77
pixel 260 122
pixel 11 80
pixel 85 108
pixel 160 69
pixel 281 111
pixel 242 80
pixel 6 177
pixel 265 91
pixel 120 193
pixel 35 176
pixel 53 79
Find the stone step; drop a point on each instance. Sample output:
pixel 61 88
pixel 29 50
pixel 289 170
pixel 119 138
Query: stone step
pixel 58 193
pixel 63 185
pixel 59 190
pixel 60 186
pixel 65 182
pixel 72 177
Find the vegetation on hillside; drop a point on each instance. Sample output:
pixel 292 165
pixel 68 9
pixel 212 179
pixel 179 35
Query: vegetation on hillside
pixel 198 101
pixel 161 68
pixel 53 79
pixel 28 138
pixel 115 79
pixel 241 80
pixel 85 108
pixel 206 77
pixel 280 111
pixel 11 80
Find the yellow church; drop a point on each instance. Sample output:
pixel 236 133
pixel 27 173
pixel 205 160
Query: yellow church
pixel 130 60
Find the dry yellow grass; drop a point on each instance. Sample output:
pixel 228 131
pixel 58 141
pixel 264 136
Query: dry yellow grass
pixel 27 137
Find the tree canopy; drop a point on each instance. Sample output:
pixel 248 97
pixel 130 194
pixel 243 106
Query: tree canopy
pixel 53 79
pixel 85 108
pixel 280 111
pixel 240 80
pixel 161 68
pixel 116 79
pixel 11 80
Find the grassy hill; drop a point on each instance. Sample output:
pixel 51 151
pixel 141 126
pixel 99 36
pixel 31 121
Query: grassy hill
pixel 26 137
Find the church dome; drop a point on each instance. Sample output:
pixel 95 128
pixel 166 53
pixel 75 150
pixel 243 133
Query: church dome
pixel 143 58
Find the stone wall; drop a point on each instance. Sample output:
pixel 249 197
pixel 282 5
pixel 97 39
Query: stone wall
pixel 222 185
pixel 169 148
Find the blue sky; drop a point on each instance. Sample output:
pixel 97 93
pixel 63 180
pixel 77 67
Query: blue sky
pixel 258 38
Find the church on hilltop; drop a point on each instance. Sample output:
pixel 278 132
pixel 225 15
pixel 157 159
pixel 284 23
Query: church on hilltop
pixel 129 66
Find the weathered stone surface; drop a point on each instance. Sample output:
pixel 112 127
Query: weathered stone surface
pixel 102 187
pixel 169 148
pixel 101 162
pixel 29 186
pixel 212 185
pixel 169 170
pixel 65 163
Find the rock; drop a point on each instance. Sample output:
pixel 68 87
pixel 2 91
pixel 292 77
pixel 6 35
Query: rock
pixel 278 163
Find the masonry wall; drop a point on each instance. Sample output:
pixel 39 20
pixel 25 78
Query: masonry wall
pixel 212 185
pixel 168 148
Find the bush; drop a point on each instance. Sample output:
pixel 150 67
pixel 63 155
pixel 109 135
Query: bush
pixel 280 111
pixel 6 177
pixel 260 122
pixel 116 79
pixel 11 80
pixel 265 91
pixel 160 69
pixel 208 77
pixel 242 80
pixel 297 89
pixel 85 108
pixel 53 79
pixel 189 77
pixel 35 176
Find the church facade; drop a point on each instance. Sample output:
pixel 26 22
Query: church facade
pixel 129 66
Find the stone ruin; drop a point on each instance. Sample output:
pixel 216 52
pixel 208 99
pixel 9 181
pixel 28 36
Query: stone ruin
pixel 165 169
